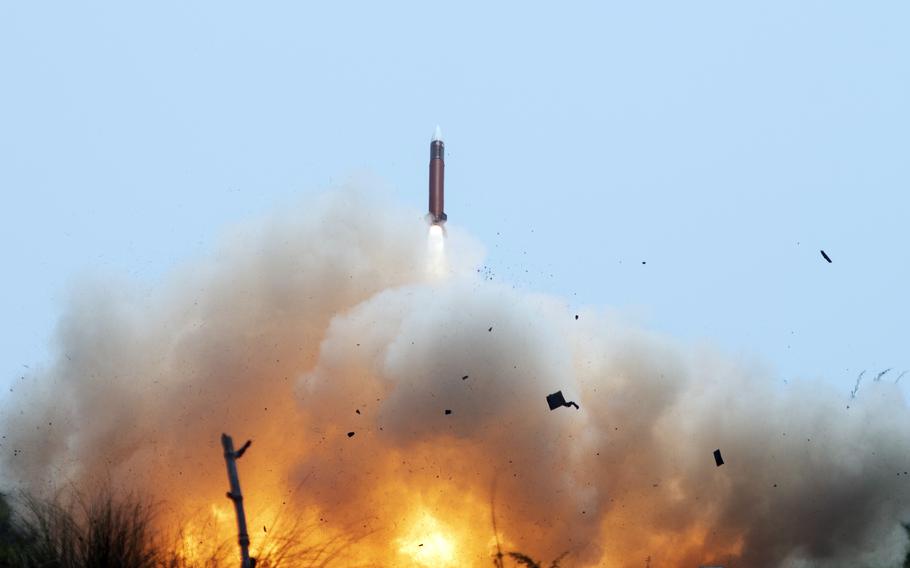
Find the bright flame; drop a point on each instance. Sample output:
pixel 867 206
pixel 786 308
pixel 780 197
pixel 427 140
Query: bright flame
pixel 427 543
pixel 222 513
pixel 190 546
pixel 200 537
pixel 438 265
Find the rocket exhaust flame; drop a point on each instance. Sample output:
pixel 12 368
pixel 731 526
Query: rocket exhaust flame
pixel 313 324
pixel 436 251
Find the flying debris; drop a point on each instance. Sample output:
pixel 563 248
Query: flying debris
pixel 826 257
pixel 556 400
pixel 437 215
pixel 717 458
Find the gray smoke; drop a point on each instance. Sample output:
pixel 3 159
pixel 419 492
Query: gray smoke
pixel 325 320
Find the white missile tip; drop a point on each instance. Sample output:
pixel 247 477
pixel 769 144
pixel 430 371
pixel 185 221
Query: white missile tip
pixel 438 134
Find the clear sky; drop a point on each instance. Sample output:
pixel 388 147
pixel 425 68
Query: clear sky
pixel 721 143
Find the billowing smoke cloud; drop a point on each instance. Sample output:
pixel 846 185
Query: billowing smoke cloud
pixel 330 320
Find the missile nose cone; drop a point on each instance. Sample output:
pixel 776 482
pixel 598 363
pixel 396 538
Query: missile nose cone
pixel 437 135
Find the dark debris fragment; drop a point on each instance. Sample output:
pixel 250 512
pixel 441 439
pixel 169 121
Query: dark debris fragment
pixel 350 434
pixel 557 400
pixel 717 458
pixel 825 256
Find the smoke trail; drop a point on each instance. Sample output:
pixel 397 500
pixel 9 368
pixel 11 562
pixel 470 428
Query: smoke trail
pixel 335 319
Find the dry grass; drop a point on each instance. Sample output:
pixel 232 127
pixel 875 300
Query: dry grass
pixel 107 532
pixel 524 560
pixel 76 533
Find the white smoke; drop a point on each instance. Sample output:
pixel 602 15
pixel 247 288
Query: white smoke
pixel 337 317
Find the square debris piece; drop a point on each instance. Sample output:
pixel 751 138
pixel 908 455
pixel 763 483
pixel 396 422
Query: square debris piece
pixel 556 400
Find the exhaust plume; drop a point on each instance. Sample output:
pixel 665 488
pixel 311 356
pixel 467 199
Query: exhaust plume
pixel 343 317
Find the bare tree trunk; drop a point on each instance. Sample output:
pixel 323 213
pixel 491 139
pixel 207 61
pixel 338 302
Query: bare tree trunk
pixel 230 458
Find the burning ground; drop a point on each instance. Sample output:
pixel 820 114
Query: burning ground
pixel 335 319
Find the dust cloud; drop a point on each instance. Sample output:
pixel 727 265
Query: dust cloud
pixel 342 316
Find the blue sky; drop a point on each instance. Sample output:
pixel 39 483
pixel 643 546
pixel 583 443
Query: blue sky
pixel 722 144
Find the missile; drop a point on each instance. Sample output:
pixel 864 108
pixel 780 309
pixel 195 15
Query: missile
pixel 436 215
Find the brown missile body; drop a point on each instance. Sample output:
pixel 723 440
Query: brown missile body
pixel 437 214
